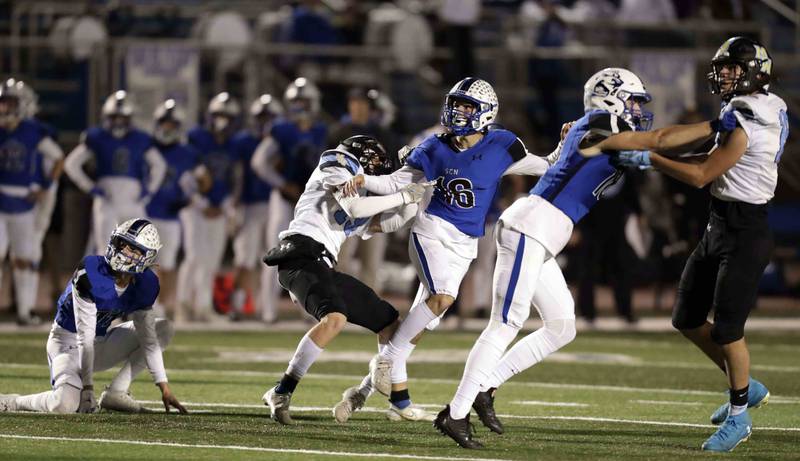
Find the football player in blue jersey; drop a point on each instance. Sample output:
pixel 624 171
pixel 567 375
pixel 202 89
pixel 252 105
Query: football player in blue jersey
pixel 179 186
pixel 124 159
pixel 467 163
pixel 298 140
pixel 24 146
pixel 252 236
pixel 82 341
pixel 204 222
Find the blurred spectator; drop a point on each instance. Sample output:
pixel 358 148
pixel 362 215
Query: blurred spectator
pixel 647 11
pixel 459 18
pixel 604 250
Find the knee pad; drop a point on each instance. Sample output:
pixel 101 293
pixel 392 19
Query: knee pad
pixel 66 399
pixel 727 332
pixel 559 332
pixel 165 331
pixel 498 334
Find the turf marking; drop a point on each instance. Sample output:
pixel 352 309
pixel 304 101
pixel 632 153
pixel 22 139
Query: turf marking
pixel 244 448
pixel 542 403
pixel 668 402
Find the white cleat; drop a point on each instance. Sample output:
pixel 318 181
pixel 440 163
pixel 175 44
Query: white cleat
pixel 278 406
pixel 380 371
pixel 409 413
pixel 8 402
pixel 120 401
pixel 352 401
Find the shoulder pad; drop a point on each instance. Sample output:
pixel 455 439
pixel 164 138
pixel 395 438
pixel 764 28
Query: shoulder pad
pixel 753 108
pixel 338 159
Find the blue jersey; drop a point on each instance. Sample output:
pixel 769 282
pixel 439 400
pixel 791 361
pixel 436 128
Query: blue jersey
pixel 219 159
pixel 466 181
pixel 575 183
pixel 170 198
pixel 93 281
pixel 254 190
pixel 119 156
pixel 19 162
pixel 300 150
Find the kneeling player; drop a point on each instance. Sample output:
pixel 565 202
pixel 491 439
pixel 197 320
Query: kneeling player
pixel 103 289
pixel 324 217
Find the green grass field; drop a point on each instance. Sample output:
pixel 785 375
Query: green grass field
pixel 605 396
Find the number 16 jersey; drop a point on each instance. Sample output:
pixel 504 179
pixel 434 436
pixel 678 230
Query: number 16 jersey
pixel 466 181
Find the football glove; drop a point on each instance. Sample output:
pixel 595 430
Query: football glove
pixel 725 123
pixel 88 404
pixel 631 159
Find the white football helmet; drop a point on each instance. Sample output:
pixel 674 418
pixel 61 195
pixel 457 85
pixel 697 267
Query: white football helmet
pixel 29 100
pixel 140 235
pixel 117 112
pixel 11 111
pixel 302 99
pixel 222 112
pixel 168 111
pixel 611 89
pixel 480 94
pixel 263 111
pixel 383 109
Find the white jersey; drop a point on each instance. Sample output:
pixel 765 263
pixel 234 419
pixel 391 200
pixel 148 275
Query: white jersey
pixel 318 214
pixel 754 176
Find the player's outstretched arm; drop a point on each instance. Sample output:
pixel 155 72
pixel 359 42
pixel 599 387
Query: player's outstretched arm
pixel 384 184
pixel 393 222
pixel 717 163
pixel 364 207
pixel 663 139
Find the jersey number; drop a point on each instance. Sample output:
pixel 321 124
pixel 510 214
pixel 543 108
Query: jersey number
pixel 457 191
pixel 349 224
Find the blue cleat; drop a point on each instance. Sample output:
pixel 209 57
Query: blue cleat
pixel 757 395
pixel 735 430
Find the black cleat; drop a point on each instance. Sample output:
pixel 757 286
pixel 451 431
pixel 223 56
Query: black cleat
pixel 484 407
pixel 459 430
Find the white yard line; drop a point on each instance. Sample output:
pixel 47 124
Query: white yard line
pixel 242 448
pixel 668 402
pixel 358 378
pixel 541 403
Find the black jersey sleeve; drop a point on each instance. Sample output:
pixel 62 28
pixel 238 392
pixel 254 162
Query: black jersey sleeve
pixel 81 284
pixel 517 150
pixel 601 126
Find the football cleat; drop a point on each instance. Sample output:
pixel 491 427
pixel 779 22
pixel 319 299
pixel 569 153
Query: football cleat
pixel 459 430
pixel 278 406
pixel 409 413
pixel 735 430
pixel 8 402
pixel 352 401
pixel 757 396
pixel 484 407
pixel 120 401
pixel 380 370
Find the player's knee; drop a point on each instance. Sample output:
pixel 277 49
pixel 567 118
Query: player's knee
pixel 560 332
pixel 66 400
pixel 333 322
pixel 727 332
pixel 165 331
pixel 498 334
pixel 439 303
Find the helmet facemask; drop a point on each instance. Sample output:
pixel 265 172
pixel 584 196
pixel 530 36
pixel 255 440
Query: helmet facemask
pixel 730 77
pixel 167 131
pixel 10 112
pixel 125 255
pixel 634 112
pixel 462 114
pixel 117 124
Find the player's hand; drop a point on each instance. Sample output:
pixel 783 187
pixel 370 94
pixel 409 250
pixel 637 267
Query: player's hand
pixel 88 404
pixel 414 193
pixel 403 154
pixel 725 123
pixel 351 187
pixel 170 400
pixel 291 191
pixel 631 159
pixel 212 212
pixel 565 129
pixel 97 192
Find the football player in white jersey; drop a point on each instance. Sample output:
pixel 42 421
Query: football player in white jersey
pixel 27 154
pixel 724 270
pixel 82 340
pixel 124 156
pixel 467 161
pixel 306 255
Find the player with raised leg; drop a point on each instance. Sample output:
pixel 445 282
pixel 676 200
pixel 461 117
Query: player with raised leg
pixel 724 270
pixel 467 162
pixel 306 255
pixel 81 341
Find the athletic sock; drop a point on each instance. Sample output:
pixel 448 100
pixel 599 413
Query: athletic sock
pixel 739 400
pixel 365 388
pixel 399 373
pixel 286 385
pixel 26 284
pixel 400 399
pixel 416 320
pixel 305 355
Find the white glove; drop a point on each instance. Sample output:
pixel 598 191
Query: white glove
pixel 403 153
pixel 414 193
pixel 88 404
